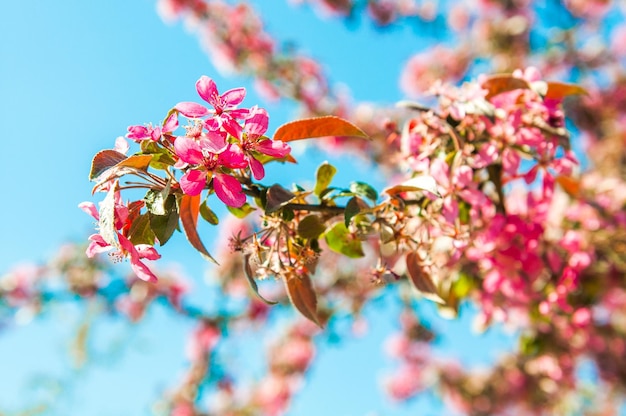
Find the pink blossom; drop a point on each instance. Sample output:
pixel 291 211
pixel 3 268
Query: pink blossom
pixel 125 247
pixel 121 145
pixel 424 69
pixel 295 354
pixel 405 384
pixel 266 90
pixel 225 112
pixel 618 40
pixel 20 284
pixel 273 395
pixel 253 140
pixel 382 12
pixel 588 8
pixel 203 340
pixel 140 133
pixel 210 160
pixel 229 190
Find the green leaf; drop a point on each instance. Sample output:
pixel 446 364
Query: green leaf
pixel 342 193
pixel 188 209
pixel 208 214
pixel 324 177
pixel 155 202
pixel 464 212
pixel 365 190
pixel 247 270
pixel 317 127
pixel 241 212
pixel 277 197
pixel 104 160
pixel 161 157
pixel 287 214
pixel 463 285
pixel 353 207
pixel 340 240
pixel 311 227
pixel 140 231
pixel 164 225
pixel 302 296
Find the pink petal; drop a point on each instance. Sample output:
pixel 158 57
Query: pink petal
pixel 214 142
pixel 192 110
pixel 97 245
pixel 228 189
pixel 188 150
pixel 137 133
pixel 231 126
pixel 208 90
pixel 212 124
pixel 531 175
pixel 171 123
pixel 232 157
pixel 180 164
pixel 90 208
pixel 155 134
pixel 439 170
pixel 121 145
pixel 239 114
pixel 193 182
pixel 257 168
pixel 141 270
pixel 275 148
pixel 146 251
pixel 256 125
pixel 234 97
pixel 463 176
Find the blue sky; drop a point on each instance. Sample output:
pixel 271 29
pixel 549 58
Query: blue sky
pixel 73 75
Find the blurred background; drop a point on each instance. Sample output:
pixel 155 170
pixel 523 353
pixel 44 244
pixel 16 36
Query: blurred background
pixel 73 76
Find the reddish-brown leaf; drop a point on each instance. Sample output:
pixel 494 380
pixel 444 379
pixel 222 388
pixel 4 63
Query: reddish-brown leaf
pixel 310 128
pixel 302 296
pixel 104 160
pixel 497 84
pixel 277 197
pixel 557 90
pixel 247 271
pixel 420 279
pixel 128 165
pixel 139 162
pixel 418 183
pixel 569 185
pixel 189 208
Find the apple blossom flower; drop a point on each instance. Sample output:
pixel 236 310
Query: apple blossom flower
pixel 125 248
pixel 140 133
pixel 252 140
pixel 225 112
pixel 209 160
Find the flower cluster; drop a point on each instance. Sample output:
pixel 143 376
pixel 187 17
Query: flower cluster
pixel 123 217
pixel 222 147
pixel 217 144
